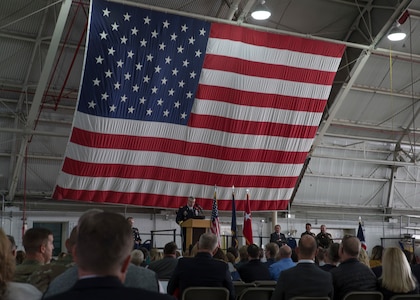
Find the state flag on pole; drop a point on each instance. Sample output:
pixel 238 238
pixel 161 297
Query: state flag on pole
pixel 233 228
pixel 247 230
pixel 215 226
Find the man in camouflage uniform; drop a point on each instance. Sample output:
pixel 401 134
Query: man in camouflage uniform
pixel 36 268
pixel 324 239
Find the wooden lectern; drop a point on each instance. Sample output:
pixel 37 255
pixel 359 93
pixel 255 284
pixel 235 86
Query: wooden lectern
pixel 194 228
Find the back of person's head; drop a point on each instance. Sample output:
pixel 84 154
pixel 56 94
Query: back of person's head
pixel 72 239
pixel 220 255
pixel 320 256
pixel 20 256
pixel 170 248
pixel 207 242
pixel 155 254
pixel 34 238
pixel 230 257
pixel 243 252
pixel 351 246
pixel 137 257
pixel 285 252
pixel 253 251
pixel 234 251
pixel 7 262
pixel 377 252
pixel 87 214
pixel 396 271
pixel 307 247
pixel 333 253
pixel 104 243
pixel 272 249
pixel 363 257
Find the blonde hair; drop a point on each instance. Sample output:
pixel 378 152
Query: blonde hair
pixel 396 271
pixel 363 257
pixel 7 263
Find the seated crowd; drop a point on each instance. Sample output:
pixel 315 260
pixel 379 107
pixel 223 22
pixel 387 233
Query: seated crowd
pixel 102 262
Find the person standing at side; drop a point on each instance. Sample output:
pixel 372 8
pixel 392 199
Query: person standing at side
pixel 136 233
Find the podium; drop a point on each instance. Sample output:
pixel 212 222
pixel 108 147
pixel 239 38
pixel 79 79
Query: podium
pixel 193 229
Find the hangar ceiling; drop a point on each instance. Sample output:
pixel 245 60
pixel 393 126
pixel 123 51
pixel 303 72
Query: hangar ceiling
pixel 364 157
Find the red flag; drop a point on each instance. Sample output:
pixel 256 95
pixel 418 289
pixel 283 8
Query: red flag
pixel 170 105
pixel 247 230
pixel 215 226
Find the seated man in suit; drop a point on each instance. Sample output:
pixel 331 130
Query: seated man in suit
pixel 306 278
pixel 102 252
pixel 277 236
pixel 201 270
pixel 351 275
pixel 165 267
pixel 254 269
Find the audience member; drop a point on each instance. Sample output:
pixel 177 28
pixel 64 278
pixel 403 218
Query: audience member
pixel 136 277
pixel 376 256
pixel 331 257
pixel 165 267
pixel 278 237
pixel 220 255
pixel 363 257
pixel 67 259
pixel 271 251
pixel 146 256
pixel 396 276
pixel 13 246
pixel 308 228
pixel 285 262
pixel 155 254
pixel 201 270
pixel 320 256
pixel 103 262
pixel 254 269
pixel 234 251
pixel 306 278
pixel 135 232
pixel 351 275
pixel 10 290
pixel 231 264
pixel 324 239
pixel 20 256
pixel 137 257
pixel 243 256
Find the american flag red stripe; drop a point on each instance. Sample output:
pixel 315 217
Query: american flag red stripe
pixel 259 102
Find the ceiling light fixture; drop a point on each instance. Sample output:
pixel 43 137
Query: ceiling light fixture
pixel 395 34
pixel 261 12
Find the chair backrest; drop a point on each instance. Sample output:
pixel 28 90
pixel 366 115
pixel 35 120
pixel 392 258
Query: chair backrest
pixel 310 298
pixel 205 293
pixel 405 297
pixel 361 295
pixel 265 283
pixel 253 293
pixel 239 286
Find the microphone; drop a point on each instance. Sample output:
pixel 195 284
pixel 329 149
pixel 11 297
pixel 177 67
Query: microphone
pixel 199 208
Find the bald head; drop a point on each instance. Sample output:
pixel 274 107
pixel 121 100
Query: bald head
pixel 285 252
pixel 350 246
pixel 307 247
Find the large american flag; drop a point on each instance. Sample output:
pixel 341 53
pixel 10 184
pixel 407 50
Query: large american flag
pixel 170 106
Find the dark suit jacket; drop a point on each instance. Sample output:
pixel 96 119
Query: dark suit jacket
pixel 201 270
pixel 274 238
pixel 305 279
pixel 106 288
pixel 352 276
pixel 164 267
pixel 254 270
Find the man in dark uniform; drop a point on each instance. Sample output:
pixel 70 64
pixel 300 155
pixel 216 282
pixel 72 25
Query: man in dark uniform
pixel 136 233
pixel 308 228
pixel 324 239
pixel 184 213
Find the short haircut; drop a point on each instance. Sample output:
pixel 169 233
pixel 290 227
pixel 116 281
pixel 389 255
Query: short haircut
pixel 285 251
pixel 34 238
pixel 207 241
pixel 272 248
pixel 170 248
pixel 351 245
pixel 253 251
pixel 308 224
pixel 307 246
pixel 137 257
pixel 333 252
pixel 104 241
